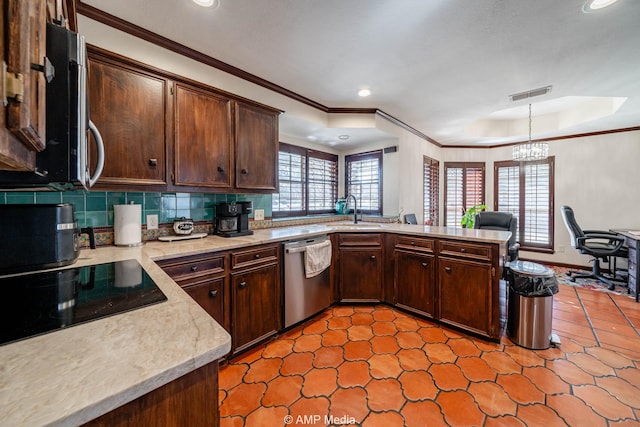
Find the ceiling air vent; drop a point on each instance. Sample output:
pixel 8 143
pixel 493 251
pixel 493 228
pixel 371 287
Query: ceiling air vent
pixel 530 93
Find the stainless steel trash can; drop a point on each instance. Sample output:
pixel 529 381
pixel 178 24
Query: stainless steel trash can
pixel 530 312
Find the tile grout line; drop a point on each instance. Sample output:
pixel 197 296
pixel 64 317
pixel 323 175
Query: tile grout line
pixel 586 315
pixel 625 316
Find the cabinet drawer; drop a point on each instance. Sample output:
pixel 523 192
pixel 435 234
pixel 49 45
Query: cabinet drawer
pixel 415 243
pixel 196 265
pixel 360 239
pixel 254 257
pixel 467 250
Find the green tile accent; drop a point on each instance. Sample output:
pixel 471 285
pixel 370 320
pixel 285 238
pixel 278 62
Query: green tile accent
pixel 95 208
pixel 97 202
pixel 48 197
pixel 21 197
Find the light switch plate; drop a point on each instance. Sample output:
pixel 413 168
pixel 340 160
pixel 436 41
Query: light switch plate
pixel 152 222
pixel 258 214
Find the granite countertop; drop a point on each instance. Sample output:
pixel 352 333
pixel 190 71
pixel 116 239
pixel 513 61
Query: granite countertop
pixel 73 375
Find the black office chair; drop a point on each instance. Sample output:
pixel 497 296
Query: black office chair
pixel 501 221
pixel 601 245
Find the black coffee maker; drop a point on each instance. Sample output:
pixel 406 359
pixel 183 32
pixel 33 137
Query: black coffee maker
pixel 232 219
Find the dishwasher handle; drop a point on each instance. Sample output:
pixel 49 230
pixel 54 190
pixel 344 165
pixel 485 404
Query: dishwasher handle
pixel 296 250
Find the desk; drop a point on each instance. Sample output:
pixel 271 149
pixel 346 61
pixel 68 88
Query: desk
pixel 632 237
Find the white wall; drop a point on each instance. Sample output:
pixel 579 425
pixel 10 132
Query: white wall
pixel 598 176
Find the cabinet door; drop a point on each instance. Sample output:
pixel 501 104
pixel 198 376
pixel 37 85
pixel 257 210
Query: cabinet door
pixel 203 139
pixel 360 274
pixel 414 282
pixel 256 148
pixel 464 294
pixel 256 305
pixel 210 294
pixel 23 43
pixel 128 107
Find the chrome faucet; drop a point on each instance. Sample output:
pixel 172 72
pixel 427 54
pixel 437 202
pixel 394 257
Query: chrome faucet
pixel 355 207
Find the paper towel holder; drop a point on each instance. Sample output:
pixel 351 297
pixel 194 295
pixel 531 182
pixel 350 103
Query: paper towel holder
pixel 132 225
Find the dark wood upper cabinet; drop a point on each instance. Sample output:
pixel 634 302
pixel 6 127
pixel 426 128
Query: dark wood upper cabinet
pixel 203 139
pixel 256 148
pixel 153 122
pixel 23 119
pixel 128 106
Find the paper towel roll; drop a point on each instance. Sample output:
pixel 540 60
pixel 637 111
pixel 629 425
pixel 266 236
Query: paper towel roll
pixel 127 225
pixel 128 274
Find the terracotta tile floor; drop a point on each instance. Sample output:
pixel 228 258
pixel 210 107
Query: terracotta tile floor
pixel 377 366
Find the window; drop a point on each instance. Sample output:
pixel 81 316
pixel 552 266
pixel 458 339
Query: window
pixel 464 188
pixel 308 182
pixel 364 180
pixel 431 180
pixel 526 190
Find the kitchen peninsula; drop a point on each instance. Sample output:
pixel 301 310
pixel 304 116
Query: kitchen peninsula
pixel 74 375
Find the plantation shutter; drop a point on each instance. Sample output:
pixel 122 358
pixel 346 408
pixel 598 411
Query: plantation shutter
pixel 431 181
pixel 526 190
pixel 364 180
pixel 322 182
pixel 464 188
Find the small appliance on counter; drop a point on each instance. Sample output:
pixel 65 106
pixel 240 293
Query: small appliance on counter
pixel 39 236
pixel 232 219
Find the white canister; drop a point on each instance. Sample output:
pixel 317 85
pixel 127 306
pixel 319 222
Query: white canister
pixel 127 225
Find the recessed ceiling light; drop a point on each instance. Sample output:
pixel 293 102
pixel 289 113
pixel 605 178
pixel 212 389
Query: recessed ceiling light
pixel 592 5
pixel 364 92
pixel 207 3
pixel 343 137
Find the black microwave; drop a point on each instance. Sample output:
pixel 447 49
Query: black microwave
pixel 64 163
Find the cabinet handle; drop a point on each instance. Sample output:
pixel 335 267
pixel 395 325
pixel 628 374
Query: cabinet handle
pixel 413 243
pixel 220 169
pixel 373 257
pixel 153 162
pixel 257 256
pixel 213 293
pixel 463 250
pixel 425 264
pixel 244 171
pixel 447 269
pixel 194 268
pixel 243 285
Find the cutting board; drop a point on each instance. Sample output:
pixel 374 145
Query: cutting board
pixel 174 238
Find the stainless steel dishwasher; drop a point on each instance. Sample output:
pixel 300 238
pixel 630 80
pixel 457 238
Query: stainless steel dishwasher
pixel 303 297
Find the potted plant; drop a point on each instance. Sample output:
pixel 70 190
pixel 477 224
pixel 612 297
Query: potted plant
pixel 469 215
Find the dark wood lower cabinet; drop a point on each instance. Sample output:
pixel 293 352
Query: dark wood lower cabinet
pixel 414 282
pixel 360 274
pixel 465 295
pixel 256 305
pixel 210 294
pixel 191 400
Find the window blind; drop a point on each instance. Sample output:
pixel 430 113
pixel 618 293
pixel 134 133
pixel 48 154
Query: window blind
pixel 464 188
pixel 364 180
pixel 431 196
pixel 308 181
pixel 526 190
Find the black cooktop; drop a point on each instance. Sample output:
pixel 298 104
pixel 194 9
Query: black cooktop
pixel 43 302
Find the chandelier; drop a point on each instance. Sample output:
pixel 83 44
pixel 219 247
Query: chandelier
pixel 530 150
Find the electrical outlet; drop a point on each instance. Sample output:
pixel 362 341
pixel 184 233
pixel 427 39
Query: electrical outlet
pixel 152 222
pixel 258 214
